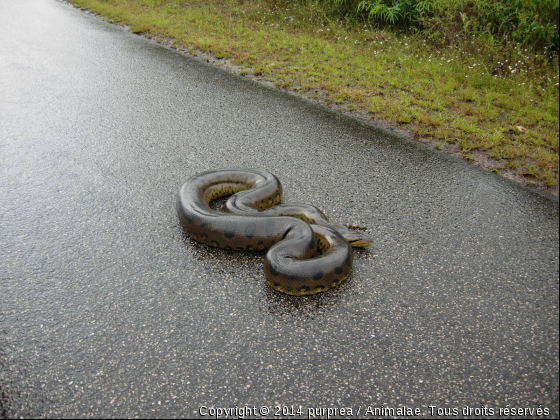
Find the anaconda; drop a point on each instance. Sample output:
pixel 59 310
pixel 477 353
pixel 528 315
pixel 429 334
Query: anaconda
pixel 306 254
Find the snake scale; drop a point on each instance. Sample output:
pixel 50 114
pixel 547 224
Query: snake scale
pixel 306 254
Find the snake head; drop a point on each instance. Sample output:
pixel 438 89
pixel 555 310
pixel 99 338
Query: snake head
pixel 355 238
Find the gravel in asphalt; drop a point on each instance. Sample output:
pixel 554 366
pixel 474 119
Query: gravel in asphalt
pixel 108 310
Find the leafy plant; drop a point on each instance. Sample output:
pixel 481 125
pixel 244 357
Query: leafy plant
pixel 533 23
pixel 538 24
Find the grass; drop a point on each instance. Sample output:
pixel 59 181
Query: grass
pixel 503 104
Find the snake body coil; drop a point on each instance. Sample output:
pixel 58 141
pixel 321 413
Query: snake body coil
pixel 252 220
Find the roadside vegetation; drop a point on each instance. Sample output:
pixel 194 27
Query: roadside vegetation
pixel 476 78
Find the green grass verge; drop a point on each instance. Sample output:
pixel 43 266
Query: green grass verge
pixel 503 107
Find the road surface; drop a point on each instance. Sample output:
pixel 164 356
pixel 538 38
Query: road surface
pixel 108 310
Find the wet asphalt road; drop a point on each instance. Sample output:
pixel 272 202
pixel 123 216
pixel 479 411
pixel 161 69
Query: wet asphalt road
pixel 108 310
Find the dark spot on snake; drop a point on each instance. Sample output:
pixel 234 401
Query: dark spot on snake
pixel 229 235
pixel 274 272
pixel 338 270
pixel 188 218
pixel 318 276
pixel 203 236
pixel 249 248
pixel 214 243
pixel 249 231
pixel 304 289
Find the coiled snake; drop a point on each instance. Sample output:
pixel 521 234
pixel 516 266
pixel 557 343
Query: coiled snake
pixel 253 219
